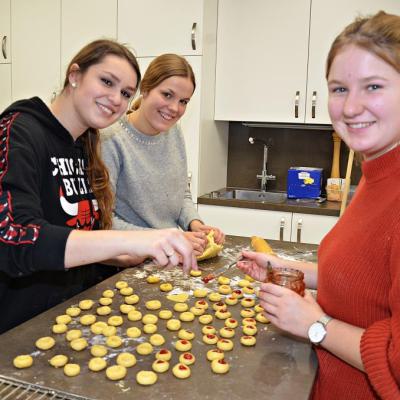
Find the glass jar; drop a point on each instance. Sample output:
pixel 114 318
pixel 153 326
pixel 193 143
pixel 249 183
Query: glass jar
pixel 290 278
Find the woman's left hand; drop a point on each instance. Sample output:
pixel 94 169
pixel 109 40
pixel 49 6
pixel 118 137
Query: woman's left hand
pixel 198 226
pixel 288 310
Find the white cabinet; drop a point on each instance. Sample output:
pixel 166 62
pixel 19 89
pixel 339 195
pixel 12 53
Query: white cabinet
pixel 274 225
pixel 153 27
pixel 5 15
pixel 35 30
pixel 5 86
pixel 271 56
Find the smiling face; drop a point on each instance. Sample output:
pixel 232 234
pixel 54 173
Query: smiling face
pixel 364 98
pixel 102 93
pixel 164 105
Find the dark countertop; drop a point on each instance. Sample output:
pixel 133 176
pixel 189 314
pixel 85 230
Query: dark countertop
pixel 279 367
pixel 304 206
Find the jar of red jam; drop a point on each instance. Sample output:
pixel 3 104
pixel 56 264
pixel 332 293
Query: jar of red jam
pixel 290 278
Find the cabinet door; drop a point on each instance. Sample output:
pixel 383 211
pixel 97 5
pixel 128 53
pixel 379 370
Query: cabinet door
pixel 35 29
pixel 5 86
pixel 82 22
pixel 327 20
pixel 310 228
pixel 262 48
pixel 5 18
pixel 158 26
pixel 274 225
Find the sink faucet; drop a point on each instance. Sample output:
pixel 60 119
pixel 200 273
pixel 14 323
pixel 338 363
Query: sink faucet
pixel 264 174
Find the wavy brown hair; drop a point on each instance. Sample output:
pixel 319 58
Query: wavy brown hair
pixel 99 179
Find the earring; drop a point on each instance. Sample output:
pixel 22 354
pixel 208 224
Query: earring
pixel 74 85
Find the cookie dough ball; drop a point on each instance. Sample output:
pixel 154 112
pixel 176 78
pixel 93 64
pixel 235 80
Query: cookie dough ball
pixel 225 344
pixel 208 329
pixel 133 332
pixel 97 364
pixel 223 314
pixel 108 293
pixel 205 319
pixel 157 339
pixel 258 308
pixel 144 348
pixel 58 361
pixel 231 323
pixel 109 331
pixel 153 279
pixel 218 306
pixel 248 290
pixel 146 378
pixel 227 332
pixel 86 304
pixel 125 359
pixel 180 307
pixel 166 287
pixel 244 283
pixel 165 314
pixel 88 319
pixel 134 315
pixel 132 299
pixel 174 324
pixel 248 340
pixel 163 354
pixel 63 319
pixel 73 334
pixel 201 304
pixel 23 361
pixel 45 343
pixel 260 317
pixel 121 284
pixel 247 302
pixel 181 371
pixel 114 341
pixel 231 300
pixel 247 313
pixel 195 272
pixel 116 372
pixel 187 358
pixel 115 320
pixel 210 338
pixel 79 344
pixel 186 334
pixel 149 319
pixel 215 354
pixel 126 291
pixel 105 301
pixel 219 366
pixel 249 330
pixel 225 289
pixel 73 311
pixel 197 311
pixel 223 280
pixel 72 370
pixel 183 345
pixel 98 350
pixel 237 293
pixel 186 316
pixel 126 308
pixel 200 292
pixel 150 328
pixel 249 321
pixel 160 366
pixel 59 328
pixel 103 310
pixel 214 296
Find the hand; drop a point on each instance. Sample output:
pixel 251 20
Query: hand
pixel 288 310
pixel 198 241
pixel 198 226
pixel 255 264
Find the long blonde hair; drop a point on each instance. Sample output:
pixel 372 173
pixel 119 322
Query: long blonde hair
pixel 98 176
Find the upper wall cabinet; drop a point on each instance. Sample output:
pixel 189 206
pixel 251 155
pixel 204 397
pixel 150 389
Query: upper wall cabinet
pixel 5 18
pixel 271 56
pixel 158 26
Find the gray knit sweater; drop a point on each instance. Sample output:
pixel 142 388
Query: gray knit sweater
pixel 149 177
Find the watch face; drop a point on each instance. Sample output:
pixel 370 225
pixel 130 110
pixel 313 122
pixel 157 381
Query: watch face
pixel 316 332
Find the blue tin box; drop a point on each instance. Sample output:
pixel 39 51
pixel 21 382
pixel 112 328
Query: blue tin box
pixel 304 183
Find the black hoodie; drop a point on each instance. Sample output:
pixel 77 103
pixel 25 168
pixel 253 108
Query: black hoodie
pixel 44 194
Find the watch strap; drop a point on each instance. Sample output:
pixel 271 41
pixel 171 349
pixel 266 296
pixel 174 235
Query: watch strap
pixel 325 319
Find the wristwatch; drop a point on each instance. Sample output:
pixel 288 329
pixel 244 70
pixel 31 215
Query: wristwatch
pixel 317 330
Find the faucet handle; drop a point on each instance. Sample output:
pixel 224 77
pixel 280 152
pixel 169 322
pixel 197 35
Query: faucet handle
pixel 270 177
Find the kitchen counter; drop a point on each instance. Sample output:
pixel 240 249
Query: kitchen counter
pixel 304 206
pixel 278 367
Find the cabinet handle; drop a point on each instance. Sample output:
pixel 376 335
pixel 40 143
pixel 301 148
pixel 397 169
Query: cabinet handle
pixel 4 47
pixel 194 26
pixel 281 229
pixel 299 226
pixel 296 104
pixel 313 103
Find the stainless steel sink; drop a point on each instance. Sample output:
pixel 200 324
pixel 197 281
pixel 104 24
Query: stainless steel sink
pixel 252 195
